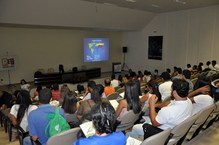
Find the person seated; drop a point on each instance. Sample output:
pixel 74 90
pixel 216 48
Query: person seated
pixel 186 75
pixel 165 87
pixel 90 86
pixel 108 89
pixel 6 100
pixel 83 112
pixel 38 119
pixel 25 85
pixel 70 106
pixel 114 81
pixel 101 90
pixel 104 119
pixel 172 112
pixel 201 96
pixel 20 111
pixel 36 93
pixel 179 74
pixel 131 100
pixel 55 92
pixel 64 91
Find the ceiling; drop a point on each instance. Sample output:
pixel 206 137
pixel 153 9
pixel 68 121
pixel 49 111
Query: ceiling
pixel 158 6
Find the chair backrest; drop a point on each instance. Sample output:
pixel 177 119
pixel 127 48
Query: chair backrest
pixel 64 138
pixel 113 96
pixel 116 88
pixel 182 129
pixel 157 139
pixel 127 121
pixel 200 121
pixel 120 90
pixel 194 81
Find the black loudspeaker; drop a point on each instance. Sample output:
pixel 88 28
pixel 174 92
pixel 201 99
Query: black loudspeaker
pixel 124 49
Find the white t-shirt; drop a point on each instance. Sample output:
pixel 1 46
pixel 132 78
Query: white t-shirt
pixel 175 113
pixel 114 83
pixel 24 123
pixel 201 101
pixel 165 89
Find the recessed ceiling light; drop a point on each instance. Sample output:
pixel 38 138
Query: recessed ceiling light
pixel 156 6
pixel 132 1
pixel 180 1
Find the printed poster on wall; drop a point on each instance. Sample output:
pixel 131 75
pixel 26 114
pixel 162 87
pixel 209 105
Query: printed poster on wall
pixel 7 63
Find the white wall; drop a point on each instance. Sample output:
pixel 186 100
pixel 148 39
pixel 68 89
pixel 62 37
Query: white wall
pixel 36 48
pixel 72 13
pixel 189 36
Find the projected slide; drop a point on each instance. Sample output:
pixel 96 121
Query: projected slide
pixel 96 49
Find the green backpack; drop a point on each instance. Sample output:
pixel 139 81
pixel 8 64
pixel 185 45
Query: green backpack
pixel 57 124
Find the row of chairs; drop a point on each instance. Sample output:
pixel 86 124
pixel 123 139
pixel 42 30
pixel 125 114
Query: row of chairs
pixel 188 129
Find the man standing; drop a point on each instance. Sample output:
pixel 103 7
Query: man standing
pixel 38 119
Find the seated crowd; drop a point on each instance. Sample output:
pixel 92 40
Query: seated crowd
pixel 171 99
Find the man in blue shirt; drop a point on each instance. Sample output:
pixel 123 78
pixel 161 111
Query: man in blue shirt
pixel 38 119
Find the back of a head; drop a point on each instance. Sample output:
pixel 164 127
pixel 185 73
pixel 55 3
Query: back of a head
pixel 165 75
pixel 181 87
pixel 113 76
pixel 132 96
pixel 69 103
pixel 95 96
pixel 168 70
pixel 208 63
pixel 23 98
pixel 187 73
pixel 107 82
pixel 101 89
pixel 45 96
pixel 103 116
pixel 55 87
pixel 213 62
pixel 179 70
pixel 189 66
pixel 91 84
pixel 201 82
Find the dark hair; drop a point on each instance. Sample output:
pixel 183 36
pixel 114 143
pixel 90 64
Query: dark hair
pixel 39 88
pixel 45 96
pixel 181 87
pixel 103 116
pixel 91 84
pixel 179 70
pixel 23 80
pixel 80 88
pixel 213 62
pixel 69 103
pixel 187 73
pixel 201 82
pixel 165 75
pixel 95 96
pixel 120 78
pixel 55 87
pixel 107 82
pixel 189 65
pixel 24 100
pixel 168 70
pixel 208 63
pixel 101 89
pixel 113 76
pixel 132 96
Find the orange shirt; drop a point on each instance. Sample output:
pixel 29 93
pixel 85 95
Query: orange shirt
pixel 109 90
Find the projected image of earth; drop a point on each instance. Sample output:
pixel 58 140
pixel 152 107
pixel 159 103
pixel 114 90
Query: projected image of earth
pixel 96 49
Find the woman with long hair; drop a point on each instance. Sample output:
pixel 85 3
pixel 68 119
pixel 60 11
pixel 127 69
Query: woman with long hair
pixel 131 100
pixel 84 109
pixel 69 104
pixel 103 118
pixel 20 111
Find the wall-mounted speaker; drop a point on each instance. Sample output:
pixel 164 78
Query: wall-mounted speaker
pixel 124 49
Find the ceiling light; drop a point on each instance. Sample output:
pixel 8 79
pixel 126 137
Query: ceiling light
pixel 180 1
pixel 132 1
pixel 156 6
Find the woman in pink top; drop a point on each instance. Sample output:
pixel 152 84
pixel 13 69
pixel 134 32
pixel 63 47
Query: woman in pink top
pixel 55 92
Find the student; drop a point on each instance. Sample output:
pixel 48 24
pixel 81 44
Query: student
pixel 55 92
pixel 131 100
pixel 103 117
pixel 20 111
